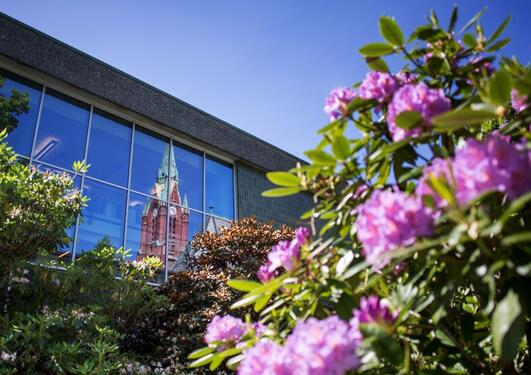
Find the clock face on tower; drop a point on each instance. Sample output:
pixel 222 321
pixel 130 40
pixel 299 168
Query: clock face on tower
pixel 155 212
pixel 173 211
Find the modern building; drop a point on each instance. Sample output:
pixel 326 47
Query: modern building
pixel 160 170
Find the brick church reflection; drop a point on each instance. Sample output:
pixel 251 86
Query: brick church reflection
pixel 153 227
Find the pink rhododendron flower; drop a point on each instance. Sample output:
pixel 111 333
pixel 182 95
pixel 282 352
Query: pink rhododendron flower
pixel 267 358
pixel 379 86
pixel 302 234
pixel 419 98
pixel 286 254
pixel 496 164
pixel 322 347
pixel 373 310
pixel 227 329
pixel 337 102
pixel 519 102
pixel 264 273
pixel 390 219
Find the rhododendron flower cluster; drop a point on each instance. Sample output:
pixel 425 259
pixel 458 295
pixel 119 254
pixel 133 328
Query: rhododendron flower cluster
pixel 390 219
pixel 315 347
pixel 373 310
pixel 419 98
pixel 336 103
pixel 226 329
pixel 286 254
pixel 265 357
pixel 379 86
pixel 519 102
pixel 496 164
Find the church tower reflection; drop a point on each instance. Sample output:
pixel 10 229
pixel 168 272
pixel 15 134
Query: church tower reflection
pixel 155 214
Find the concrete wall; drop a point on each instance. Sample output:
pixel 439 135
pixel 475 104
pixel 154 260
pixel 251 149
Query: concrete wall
pixel 251 182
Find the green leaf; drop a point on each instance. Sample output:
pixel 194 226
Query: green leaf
pixel 330 126
pixel 500 87
pixel 321 157
pixel 459 118
pixel 516 238
pixel 469 40
pixel 391 31
pixel 341 147
pixel 442 188
pixel 261 302
pixel 498 45
pixel 507 326
pixel 499 30
pixel 376 49
pixel 280 192
pixel 384 344
pixel 453 19
pixel 200 352
pixel 409 119
pixel 473 20
pixel 344 262
pixel 249 299
pixel 244 285
pixel 202 361
pixel 377 64
pixel 283 179
pixel 429 34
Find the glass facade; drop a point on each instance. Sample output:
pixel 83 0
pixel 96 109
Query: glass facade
pixel 147 192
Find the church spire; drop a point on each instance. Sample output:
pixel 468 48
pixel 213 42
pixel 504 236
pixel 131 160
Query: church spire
pixel 161 184
pixel 185 204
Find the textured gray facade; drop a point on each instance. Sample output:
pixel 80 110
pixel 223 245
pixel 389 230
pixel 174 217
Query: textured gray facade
pixel 251 182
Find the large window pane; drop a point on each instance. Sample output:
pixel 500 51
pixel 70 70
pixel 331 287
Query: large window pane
pixel 219 189
pixel 186 174
pixel 62 131
pixel 21 138
pixel 146 227
pixel 150 164
pixel 184 225
pixel 103 218
pixel 109 145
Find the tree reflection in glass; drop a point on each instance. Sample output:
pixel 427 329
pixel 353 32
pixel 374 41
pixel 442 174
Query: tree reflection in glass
pixel 21 138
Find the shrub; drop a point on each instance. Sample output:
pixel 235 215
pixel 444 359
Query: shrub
pixel 423 260
pixel 197 295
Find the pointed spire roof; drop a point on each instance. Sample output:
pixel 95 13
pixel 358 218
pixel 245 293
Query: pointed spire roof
pixel 185 204
pixel 161 185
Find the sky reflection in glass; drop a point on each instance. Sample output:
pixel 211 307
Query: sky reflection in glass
pixel 21 138
pixel 190 173
pixel 109 145
pixel 62 131
pixel 219 188
pixel 103 217
pixel 149 166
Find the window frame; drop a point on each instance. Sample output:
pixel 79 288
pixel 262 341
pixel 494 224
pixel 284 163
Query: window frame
pixel 143 123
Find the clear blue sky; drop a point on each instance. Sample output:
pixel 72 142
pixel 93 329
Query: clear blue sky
pixel 263 66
